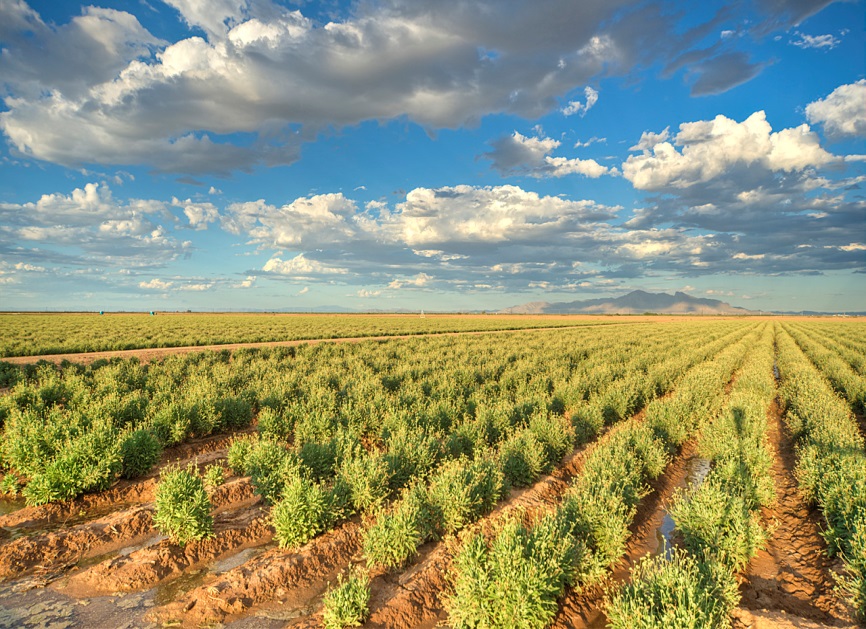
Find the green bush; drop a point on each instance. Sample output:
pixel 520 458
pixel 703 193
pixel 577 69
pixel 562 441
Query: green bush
pixel 367 477
pixel 395 537
pixel 140 451
pixel 514 580
pixel 522 459
pixel 347 605
pixel 674 592
pixel 214 476
pixel 301 513
pixel 182 505
pixel 462 491
pixel 238 452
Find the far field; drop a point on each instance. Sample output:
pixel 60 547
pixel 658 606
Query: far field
pixel 33 334
pixel 597 471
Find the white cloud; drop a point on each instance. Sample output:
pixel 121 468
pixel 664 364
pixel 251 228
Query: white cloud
pixel 156 284
pixel 200 215
pixel 364 293
pixel 281 77
pixel 805 41
pixel 590 142
pixel 576 107
pixel 419 281
pixel 304 290
pixel 518 154
pixel 214 190
pixel 90 221
pixel 300 266
pixel 648 140
pixel 491 214
pixel 330 218
pixel 713 148
pixel 842 112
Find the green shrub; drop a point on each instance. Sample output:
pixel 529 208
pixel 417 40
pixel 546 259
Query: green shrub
pixel 140 451
pixel 716 524
pixel 301 513
pixel 347 605
pixel 522 459
pixel 461 491
pixel 271 466
pixel 367 476
pixel 394 537
pixel 515 580
pixel 319 458
pixel 239 451
pixel 182 505
pixel 674 592
pixel 214 476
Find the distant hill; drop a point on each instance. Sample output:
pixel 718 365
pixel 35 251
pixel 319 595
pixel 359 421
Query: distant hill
pixel 636 302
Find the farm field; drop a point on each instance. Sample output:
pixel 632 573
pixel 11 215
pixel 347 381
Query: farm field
pixel 665 472
pixel 33 334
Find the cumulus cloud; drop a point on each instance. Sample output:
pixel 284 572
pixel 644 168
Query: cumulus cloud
pixel 760 195
pixel 200 215
pixel 576 107
pixel 842 112
pixel 300 267
pixel 92 223
pixel 280 77
pixel 826 42
pixel 713 148
pixel 517 154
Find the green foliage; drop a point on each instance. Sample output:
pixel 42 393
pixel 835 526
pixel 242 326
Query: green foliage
pixel 182 505
pixel 213 476
pixel 139 451
pixel 270 466
pixel 347 605
pixel 367 477
pixel 301 512
pixel 673 592
pixel 514 580
pixel 394 538
pixel 238 452
pixel 522 459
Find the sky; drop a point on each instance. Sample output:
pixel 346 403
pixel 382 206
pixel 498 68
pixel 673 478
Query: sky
pixel 430 154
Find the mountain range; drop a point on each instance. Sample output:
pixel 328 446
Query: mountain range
pixel 635 302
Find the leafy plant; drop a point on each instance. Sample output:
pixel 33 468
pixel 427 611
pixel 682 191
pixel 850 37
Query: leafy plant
pixel 182 505
pixel 347 605
pixel 139 451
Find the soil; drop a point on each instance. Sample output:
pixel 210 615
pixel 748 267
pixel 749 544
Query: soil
pixel 291 577
pixel 792 577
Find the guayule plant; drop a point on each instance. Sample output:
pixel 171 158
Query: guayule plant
pixel 182 505
pixel 347 605
pixel 139 452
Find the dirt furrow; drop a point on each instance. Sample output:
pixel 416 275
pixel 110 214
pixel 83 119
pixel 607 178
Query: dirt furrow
pixel 292 577
pixel 650 534
pixel 793 576
pixel 206 450
pixel 151 565
pixel 60 549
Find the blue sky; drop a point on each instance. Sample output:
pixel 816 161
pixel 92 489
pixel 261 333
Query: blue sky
pixel 438 155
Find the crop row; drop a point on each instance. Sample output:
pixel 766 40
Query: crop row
pixel 837 370
pixel 854 353
pixel 466 465
pixel 35 334
pixel 718 520
pixel 513 576
pixel 831 463
pixel 76 429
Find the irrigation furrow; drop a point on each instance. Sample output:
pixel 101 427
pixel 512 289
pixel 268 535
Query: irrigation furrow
pixel 146 567
pixel 792 575
pixel 125 493
pixel 292 578
pixel 63 548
